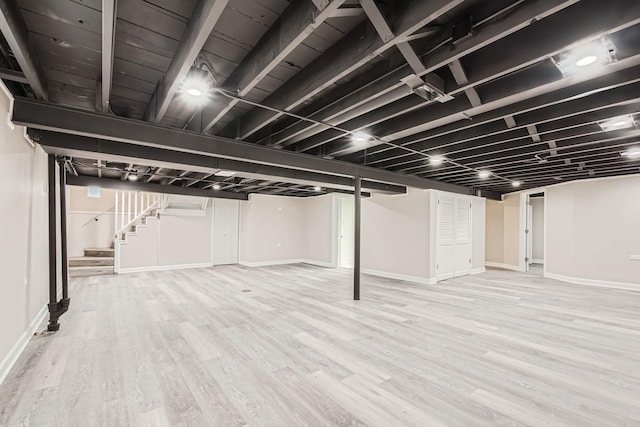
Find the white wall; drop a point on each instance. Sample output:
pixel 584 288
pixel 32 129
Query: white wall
pixel 537 229
pixel 280 229
pixel 395 234
pixel 592 228
pixel 24 237
pixel 169 242
pixel 494 239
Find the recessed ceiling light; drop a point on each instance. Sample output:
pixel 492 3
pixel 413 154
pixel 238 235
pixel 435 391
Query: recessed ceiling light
pixel 216 186
pixel 360 137
pixel 316 188
pixel 194 91
pixel 483 174
pixel 197 83
pixel 133 177
pixel 586 60
pixel 516 183
pixel 617 123
pixel 436 160
pixel 632 153
pixel 224 173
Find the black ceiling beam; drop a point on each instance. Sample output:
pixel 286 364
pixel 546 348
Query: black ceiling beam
pixel 108 38
pixel 204 17
pixel 441 57
pixel 357 48
pixel 570 115
pixel 465 128
pixel 298 20
pixel 114 151
pixel 40 115
pixel 116 184
pixel 13 75
pixel 15 32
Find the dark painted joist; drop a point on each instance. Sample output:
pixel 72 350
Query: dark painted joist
pixel 113 151
pixel 39 115
pixel 357 48
pixel 598 107
pixel 518 19
pixel 108 38
pixel 204 17
pixel 465 128
pixel 298 20
pixel 16 34
pixel 13 75
pixel 116 184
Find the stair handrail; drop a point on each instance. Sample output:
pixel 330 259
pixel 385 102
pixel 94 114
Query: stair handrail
pixel 135 219
pixel 100 214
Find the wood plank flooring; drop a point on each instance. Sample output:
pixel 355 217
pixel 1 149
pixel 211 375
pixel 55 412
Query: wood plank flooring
pixel 286 346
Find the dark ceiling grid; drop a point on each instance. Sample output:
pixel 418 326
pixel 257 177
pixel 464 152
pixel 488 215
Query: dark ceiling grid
pixel 528 122
pixel 401 99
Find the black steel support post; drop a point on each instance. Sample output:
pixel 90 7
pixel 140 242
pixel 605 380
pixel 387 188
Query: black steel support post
pixel 356 243
pixel 56 308
pixel 63 232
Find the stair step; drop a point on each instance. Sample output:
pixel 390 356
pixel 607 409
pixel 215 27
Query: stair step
pixel 87 261
pixel 90 271
pixel 99 252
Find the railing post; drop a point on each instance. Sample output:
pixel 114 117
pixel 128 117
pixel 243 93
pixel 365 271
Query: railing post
pixel 135 204
pixel 115 215
pixel 129 208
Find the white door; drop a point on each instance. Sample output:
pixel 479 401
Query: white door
pixel 225 231
pixel 462 250
pixel 445 237
pixel 347 228
pixel 528 234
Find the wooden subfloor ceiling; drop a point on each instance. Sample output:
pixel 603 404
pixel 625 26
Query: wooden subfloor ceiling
pixel 285 346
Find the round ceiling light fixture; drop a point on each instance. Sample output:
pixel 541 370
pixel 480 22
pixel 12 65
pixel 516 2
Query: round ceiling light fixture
pixel 216 186
pixel 316 188
pixel 586 60
pixel 516 183
pixel 133 177
pixel 436 160
pixel 484 174
pixel 360 137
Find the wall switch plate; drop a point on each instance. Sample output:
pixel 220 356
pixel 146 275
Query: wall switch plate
pixel 634 257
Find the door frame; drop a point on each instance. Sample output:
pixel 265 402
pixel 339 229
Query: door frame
pixel 522 235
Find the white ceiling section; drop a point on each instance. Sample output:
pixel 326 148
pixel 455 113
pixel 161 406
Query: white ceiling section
pixel 533 92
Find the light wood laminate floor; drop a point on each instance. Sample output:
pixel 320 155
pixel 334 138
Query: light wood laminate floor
pixel 194 348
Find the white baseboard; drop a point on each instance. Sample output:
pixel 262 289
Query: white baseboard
pixel 405 277
pixel 164 267
pixel 12 357
pixel 591 282
pixel 478 270
pixel 318 263
pixel 499 265
pixel 537 261
pixel 269 263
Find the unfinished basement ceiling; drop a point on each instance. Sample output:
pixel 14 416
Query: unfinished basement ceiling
pixel 438 90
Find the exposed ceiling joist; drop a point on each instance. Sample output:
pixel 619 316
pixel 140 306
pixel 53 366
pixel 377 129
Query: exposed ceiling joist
pixel 204 17
pixel 108 38
pixel 116 184
pixel 441 57
pixel 16 34
pixel 355 50
pixel 461 79
pixel 299 20
pixel 12 75
pixel 601 84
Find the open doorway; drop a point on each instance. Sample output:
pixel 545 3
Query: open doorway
pixel 534 233
pixel 346 232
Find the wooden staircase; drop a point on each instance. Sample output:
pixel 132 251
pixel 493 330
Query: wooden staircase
pixel 95 262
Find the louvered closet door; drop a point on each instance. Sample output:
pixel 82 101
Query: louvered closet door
pixel 445 237
pixel 225 231
pixel 462 233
